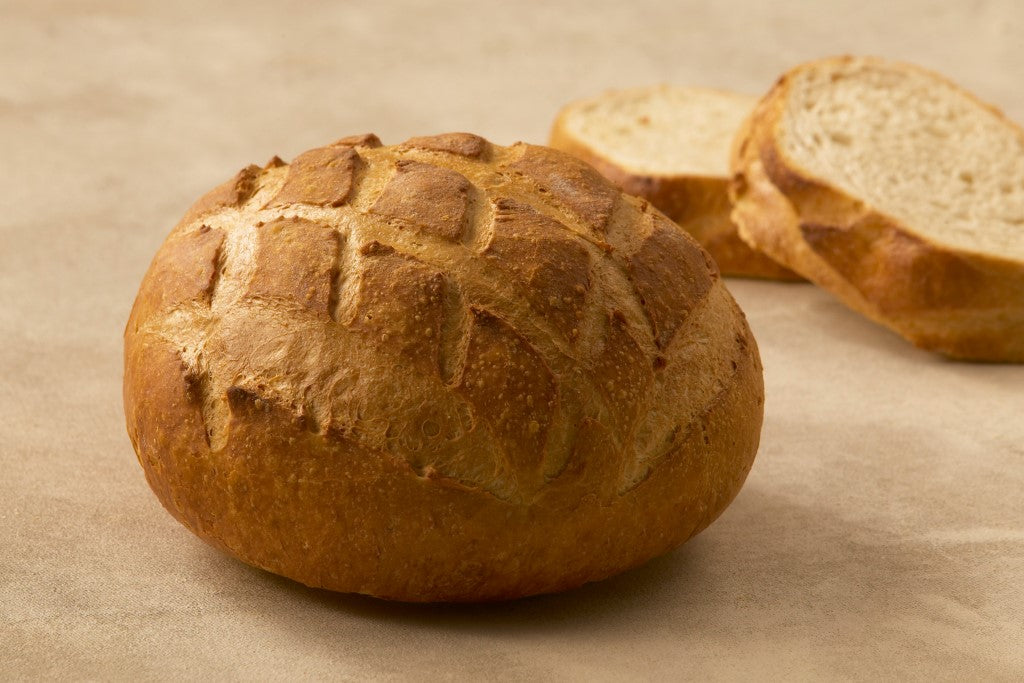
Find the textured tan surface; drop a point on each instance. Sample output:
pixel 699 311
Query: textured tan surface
pixel 880 534
pixel 443 370
pixel 688 175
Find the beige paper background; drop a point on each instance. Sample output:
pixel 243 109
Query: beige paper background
pixel 880 535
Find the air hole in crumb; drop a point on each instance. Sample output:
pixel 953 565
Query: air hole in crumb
pixel 967 177
pixel 840 138
pixel 739 184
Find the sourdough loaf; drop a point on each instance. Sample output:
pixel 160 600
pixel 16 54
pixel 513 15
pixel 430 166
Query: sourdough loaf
pixel 438 371
pixel 670 145
pixel 898 192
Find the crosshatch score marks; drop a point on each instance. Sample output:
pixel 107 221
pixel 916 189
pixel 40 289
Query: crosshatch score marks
pixel 398 253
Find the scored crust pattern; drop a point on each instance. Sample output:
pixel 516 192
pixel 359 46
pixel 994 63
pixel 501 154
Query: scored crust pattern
pixel 460 305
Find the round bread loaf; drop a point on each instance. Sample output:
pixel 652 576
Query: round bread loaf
pixel 438 371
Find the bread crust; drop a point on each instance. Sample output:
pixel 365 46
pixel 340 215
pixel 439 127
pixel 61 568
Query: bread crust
pixel 514 380
pixel 964 305
pixel 699 204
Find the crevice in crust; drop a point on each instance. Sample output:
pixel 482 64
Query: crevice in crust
pixel 373 171
pixel 454 333
pixel 337 278
pixel 201 388
pixel 346 282
pixel 478 225
pixel 218 269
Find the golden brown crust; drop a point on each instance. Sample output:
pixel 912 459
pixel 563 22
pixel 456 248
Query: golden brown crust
pixel 573 185
pixel 463 144
pixel 362 140
pixel 508 385
pixel 233 192
pixel 550 266
pixel 363 399
pixel 295 262
pixel 671 277
pixel 431 198
pixel 964 305
pixel 183 270
pixel 699 204
pixel 320 176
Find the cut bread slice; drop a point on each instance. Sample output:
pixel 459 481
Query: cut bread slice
pixel 670 145
pixel 897 191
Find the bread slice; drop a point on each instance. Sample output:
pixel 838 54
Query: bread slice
pixel 670 145
pixel 897 191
